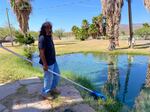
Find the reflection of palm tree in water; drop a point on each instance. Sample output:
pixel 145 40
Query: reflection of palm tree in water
pixel 112 85
pixel 130 60
pixel 147 84
pixel 142 103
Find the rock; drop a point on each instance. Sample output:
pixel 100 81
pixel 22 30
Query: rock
pixel 34 88
pixel 82 108
pixel 8 89
pixel 31 80
pixel 2 107
pixel 69 94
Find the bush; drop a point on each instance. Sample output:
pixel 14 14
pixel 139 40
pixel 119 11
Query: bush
pixel 24 39
pixel 28 51
pixel 28 39
pixel 19 37
pixel 144 32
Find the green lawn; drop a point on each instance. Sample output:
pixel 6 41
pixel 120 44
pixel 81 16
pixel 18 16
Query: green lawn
pixel 13 68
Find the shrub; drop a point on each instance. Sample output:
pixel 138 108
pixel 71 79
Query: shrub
pixel 19 37
pixel 28 51
pixel 24 39
pixel 144 32
pixel 28 39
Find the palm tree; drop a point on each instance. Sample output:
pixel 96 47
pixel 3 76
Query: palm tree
pixel 22 9
pixel 108 8
pixel 85 27
pixel 93 31
pixel 97 21
pixel 85 24
pixel 112 11
pixel 75 30
pixel 117 18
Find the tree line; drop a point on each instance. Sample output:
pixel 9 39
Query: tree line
pixel 95 29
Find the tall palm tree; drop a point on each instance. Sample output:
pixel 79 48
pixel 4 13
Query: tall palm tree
pixel 117 18
pixel 97 21
pixel 108 10
pixel 22 9
pixel 112 11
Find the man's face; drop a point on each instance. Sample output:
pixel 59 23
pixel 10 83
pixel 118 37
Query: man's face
pixel 48 29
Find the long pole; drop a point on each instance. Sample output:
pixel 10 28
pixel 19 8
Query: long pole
pixel 7 15
pixel 130 23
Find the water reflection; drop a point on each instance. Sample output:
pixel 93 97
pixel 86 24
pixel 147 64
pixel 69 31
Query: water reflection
pixel 142 102
pixel 111 87
pixel 130 61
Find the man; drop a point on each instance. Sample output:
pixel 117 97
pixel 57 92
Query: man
pixel 48 60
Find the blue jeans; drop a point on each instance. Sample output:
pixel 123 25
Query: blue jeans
pixel 50 79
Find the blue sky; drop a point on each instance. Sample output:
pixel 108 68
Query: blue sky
pixel 66 13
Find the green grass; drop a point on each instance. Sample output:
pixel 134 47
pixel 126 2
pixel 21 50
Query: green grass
pixel 82 80
pixel 13 68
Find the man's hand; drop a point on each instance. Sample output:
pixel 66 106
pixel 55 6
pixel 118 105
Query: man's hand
pixel 45 67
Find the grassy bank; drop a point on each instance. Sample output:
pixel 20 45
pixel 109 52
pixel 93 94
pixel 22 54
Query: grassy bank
pixel 13 68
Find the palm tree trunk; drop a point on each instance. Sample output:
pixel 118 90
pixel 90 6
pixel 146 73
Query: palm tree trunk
pixel 112 11
pixel 117 17
pixel 130 24
pixel 110 33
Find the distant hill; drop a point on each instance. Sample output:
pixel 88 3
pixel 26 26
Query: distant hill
pixel 125 27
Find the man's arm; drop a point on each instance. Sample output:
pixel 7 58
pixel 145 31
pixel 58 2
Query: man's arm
pixel 42 56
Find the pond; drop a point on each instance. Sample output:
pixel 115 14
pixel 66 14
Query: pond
pixel 121 76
